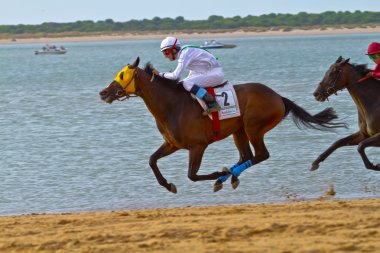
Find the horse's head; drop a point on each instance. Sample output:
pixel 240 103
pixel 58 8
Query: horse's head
pixel 123 85
pixel 335 79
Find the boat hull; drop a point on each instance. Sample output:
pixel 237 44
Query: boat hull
pixel 52 52
pixel 212 46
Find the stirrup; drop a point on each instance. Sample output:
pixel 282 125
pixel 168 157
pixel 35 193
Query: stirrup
pixel 210 110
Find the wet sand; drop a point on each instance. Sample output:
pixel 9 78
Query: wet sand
pixel 196 35
pixel 311 226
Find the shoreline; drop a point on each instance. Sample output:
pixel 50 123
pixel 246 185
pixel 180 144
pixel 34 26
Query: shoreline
pixel 194 35
pixel 308 226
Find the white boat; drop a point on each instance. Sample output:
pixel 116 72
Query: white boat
pixel 47 49
pixel 215 44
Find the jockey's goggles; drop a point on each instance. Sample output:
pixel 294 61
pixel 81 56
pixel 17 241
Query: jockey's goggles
pixel 374 56
pixel 166 52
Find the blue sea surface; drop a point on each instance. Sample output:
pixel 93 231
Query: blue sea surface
pixel 64 150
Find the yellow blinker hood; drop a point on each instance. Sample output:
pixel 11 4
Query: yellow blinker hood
pixel 128 81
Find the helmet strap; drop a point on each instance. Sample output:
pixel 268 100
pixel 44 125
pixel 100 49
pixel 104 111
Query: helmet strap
pixel 170 50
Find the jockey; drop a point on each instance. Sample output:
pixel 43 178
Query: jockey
pixel 204 69
pixel 374 55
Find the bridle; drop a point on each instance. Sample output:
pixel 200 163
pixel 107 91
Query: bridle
pixel 331 89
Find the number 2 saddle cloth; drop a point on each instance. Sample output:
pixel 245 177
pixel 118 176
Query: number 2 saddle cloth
pixel 226 97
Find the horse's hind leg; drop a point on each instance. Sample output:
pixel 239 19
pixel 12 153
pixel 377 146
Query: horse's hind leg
pixel 261 152
pixel 242 144
pixel 165 150
pixel 373 141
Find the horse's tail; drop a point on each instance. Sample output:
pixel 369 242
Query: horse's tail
pixel 320 121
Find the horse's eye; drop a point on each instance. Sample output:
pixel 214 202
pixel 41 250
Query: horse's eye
pixel 121 76
pixel 119 93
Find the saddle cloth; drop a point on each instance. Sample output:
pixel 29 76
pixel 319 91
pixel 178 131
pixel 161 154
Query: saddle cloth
pixel 227 99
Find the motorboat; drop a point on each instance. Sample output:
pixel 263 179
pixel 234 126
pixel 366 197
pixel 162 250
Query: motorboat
pixel 51 49
pixel 213 44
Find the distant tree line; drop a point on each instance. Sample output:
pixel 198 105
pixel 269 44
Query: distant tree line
pixel 214 22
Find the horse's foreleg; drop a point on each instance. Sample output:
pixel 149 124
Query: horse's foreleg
pixel 373 141
pixel 195 159
pixel 165 150
pixel 350 140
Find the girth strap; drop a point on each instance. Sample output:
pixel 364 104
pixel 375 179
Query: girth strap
pixel 215 118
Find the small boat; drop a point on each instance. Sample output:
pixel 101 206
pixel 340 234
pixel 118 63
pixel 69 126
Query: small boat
pixel 213 44
pixel 47 49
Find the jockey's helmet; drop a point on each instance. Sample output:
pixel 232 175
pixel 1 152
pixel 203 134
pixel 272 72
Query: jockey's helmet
pixel 374 48
pixel 170 43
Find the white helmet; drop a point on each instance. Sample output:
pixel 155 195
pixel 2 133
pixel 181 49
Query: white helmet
pixel 170 42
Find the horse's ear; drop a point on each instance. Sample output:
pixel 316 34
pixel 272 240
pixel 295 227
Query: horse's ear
pixel 136 63
pixel 339 59
pixel 346 61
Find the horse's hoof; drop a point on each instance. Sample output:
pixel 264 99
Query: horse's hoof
pixel 218 185
pixel 173 189
pixel 374 167
pixel 314 167
pixel 235 183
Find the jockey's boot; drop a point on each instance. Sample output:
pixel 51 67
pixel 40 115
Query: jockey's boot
pixel 201 93
pixel 212 105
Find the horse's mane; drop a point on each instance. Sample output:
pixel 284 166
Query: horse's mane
pixel 171 83
pixel 362 69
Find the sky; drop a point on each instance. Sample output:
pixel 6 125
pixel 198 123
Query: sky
pixel 13 12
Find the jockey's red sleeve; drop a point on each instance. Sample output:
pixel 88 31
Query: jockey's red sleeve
pixel 376 71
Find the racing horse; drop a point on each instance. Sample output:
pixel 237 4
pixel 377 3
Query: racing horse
pixel 365 92
pixel 182 124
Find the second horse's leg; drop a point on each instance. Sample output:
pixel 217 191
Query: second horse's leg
pixel 373 141
pixel 350 140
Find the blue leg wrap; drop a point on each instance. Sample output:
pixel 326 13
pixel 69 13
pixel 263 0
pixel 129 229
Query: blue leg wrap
pixel 200 93
pixel 224 178
pixel 238 170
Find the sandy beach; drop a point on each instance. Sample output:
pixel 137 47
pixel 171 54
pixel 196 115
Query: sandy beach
pixel 311 226
pixel 316 226
pixel 194 35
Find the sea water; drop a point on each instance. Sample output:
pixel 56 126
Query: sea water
pixel 64 150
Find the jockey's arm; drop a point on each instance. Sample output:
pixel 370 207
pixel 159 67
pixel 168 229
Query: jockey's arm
pixel 183 61
pixel 176 74
pixel 376 71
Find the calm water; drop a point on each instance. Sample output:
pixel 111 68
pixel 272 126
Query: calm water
pixel 63 150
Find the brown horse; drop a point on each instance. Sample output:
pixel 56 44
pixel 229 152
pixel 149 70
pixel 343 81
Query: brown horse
pixel 182 124
pixel 366 96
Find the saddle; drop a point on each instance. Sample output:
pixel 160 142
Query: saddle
pixel 221 85
pixel 225 96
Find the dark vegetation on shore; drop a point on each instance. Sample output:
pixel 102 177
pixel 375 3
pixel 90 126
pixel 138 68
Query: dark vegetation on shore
pixel 285 22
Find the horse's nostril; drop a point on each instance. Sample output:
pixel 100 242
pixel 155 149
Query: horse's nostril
pixel 103 92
